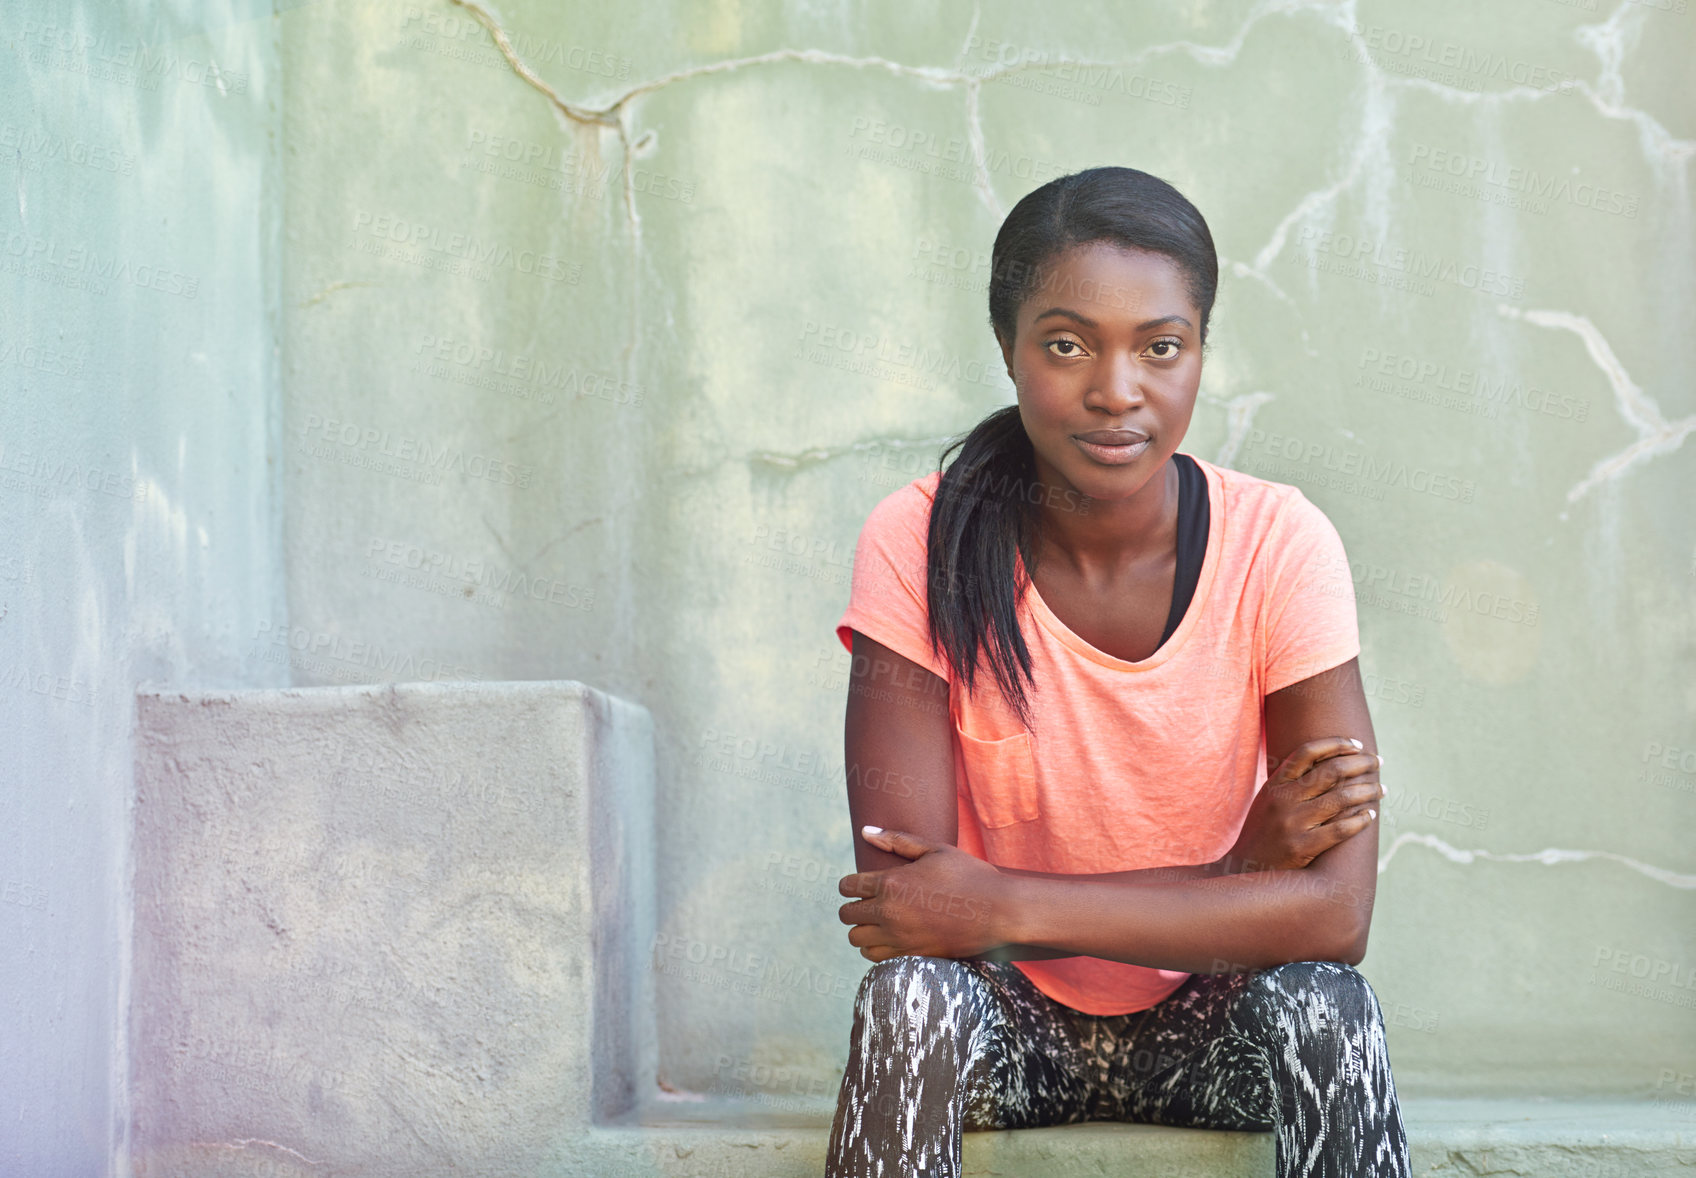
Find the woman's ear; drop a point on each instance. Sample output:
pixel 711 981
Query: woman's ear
pixel 1006 355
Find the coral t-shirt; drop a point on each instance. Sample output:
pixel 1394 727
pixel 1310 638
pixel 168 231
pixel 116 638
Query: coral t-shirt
pixel 1126 764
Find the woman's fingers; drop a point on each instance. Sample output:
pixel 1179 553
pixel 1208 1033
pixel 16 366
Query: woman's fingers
pixel 1354 822
pixel 1334 771
pixel 1300 762
pixel 866 936
pixel 1345 798
pixel 860 883
pixel 1350 821
pixel 1327 827
pixel 858 912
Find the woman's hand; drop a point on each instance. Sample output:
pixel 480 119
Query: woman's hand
pixel 942 904
pixel 1323 793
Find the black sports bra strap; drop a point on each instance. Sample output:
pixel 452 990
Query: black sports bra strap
pixel 1194 515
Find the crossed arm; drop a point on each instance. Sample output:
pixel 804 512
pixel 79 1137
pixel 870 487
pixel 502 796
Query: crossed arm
pixel 1201 918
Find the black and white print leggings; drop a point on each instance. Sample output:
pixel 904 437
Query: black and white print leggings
pixel 941 1046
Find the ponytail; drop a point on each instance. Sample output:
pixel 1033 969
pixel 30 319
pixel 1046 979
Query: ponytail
pixel 979 520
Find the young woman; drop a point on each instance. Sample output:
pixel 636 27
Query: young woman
pixel 1076 653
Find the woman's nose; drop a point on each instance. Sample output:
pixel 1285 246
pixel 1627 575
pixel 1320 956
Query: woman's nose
pixel 1118 386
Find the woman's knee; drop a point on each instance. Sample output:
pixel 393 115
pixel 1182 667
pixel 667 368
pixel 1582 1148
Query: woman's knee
pixel 917 1020
pixel 1313 996
pixel 910 985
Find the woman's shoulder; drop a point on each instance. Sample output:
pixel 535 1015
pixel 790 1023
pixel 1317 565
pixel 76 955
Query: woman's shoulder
pixel 906 507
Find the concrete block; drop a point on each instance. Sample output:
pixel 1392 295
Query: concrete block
pixel 388 930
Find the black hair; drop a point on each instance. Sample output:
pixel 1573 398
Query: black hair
pixel 982 513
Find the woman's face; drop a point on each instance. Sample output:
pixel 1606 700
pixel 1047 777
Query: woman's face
pixel 1106 358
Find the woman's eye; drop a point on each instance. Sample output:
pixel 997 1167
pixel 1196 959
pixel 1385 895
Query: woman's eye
pixel 1166 343
pixel 1064 343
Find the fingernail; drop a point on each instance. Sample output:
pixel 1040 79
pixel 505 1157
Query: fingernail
pixel 871 830
pixel 1372 813
pixel 1380 760
pixel 1356 743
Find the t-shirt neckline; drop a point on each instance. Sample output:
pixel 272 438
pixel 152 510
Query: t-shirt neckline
pixel 1198 602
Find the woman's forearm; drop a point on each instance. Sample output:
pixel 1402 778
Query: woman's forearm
pixel 1138 876
pixel 1203 925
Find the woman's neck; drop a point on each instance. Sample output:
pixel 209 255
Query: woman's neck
pixel 1113 535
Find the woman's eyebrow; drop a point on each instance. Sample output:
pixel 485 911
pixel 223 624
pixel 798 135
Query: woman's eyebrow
pixel 1068 313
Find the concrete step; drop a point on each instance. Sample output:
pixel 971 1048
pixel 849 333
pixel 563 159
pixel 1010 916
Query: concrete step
pixel 1527 1138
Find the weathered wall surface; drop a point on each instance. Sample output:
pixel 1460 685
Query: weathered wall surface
pixel 591 351
pixel 1456 264
pixel 139 529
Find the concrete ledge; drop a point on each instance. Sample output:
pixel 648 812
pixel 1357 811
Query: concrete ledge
pixel 1060 1152
pixel 388 930
pixel 1582 1139
pixel 1464 1138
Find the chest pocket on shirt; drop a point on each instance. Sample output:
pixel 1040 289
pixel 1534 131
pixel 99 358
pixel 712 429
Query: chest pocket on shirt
pixel 1000 777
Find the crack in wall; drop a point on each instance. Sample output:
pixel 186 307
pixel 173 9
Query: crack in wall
pixel 1547 856
pixel 1378 116
pixel 614 113
pixel 331 289
pixel 1605 40
pixel 245 1142
pixel 814 455
pixel 610 116
pixel 616 116
pixel 1606 95
pixel 1655 435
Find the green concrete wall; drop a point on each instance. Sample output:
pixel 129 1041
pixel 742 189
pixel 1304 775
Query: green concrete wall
pixel 757 242
pixel 140 531
pixel 585 357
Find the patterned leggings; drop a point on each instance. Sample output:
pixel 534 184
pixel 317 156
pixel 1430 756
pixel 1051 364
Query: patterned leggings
pixel 940 1046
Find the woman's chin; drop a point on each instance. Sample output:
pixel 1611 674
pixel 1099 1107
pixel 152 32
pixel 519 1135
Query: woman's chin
pixel 1106 485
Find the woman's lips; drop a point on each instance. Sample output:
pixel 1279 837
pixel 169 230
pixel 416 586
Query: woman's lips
pixel 1114 455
